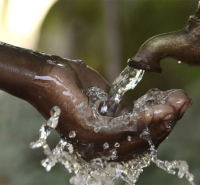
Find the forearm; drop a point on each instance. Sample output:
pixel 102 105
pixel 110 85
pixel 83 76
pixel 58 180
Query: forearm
pixel 18 68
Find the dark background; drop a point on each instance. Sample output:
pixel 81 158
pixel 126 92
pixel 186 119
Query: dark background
pixel 105 34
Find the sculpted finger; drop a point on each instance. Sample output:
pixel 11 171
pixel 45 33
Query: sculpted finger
pixel 159 118
pixel 180 101
pixel 164 119
pixel 155 118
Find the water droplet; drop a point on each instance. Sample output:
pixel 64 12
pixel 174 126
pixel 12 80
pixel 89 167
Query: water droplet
pixel 117 145
pixel 145 133
pixel 168 126
pixel 105 146
pixel 133 73
pixel 78 61
pixel 55 111
pixel 104 109
pixel 129 138
pixel 50 62
pixel 162 102
pixel 72 134
pixel 60 64
pixel 136 106
pixel 190 177
pixel 114 152
pixel 135 113
pixel 55 62
pixel 96 129
pixel 179 62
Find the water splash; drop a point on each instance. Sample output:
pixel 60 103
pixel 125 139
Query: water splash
pixel 96 97
pixel 127 80
pixel 99 171
pixel 72 134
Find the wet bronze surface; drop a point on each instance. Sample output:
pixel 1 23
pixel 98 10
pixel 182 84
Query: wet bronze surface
pixel 46 81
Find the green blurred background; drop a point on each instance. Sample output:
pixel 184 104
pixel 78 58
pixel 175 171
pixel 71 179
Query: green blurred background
pixel 104 33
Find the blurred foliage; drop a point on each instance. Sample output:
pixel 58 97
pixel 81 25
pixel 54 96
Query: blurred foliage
pixel 76 29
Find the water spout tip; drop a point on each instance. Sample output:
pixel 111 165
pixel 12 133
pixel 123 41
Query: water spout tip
pixel 197 14
pixel 143 65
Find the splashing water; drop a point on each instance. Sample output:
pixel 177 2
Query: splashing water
pixel 127 80
pixel 99 171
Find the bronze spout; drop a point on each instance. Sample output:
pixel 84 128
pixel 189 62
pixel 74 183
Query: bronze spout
pixel 182 45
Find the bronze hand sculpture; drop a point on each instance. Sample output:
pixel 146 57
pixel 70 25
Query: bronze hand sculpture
pixel 46 81
pixel 183 45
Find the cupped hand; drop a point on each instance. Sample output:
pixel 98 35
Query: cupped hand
pixel 46 81
pixel 64 84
